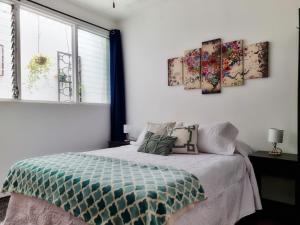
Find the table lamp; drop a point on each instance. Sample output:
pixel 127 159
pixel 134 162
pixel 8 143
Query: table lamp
pixel 275 136
pixel 126 131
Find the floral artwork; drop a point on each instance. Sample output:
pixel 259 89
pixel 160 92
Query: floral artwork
pixel 191 69
pixel 175 76
pixel 216 65
pixel 211 66
pixel 232 64
pixel 256 61
pixel 1 60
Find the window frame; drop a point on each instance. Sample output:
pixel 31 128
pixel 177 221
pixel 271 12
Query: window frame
pixel 1 60
pixel 75 26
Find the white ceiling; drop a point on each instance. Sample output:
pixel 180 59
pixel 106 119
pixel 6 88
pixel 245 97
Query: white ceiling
pixel 123 7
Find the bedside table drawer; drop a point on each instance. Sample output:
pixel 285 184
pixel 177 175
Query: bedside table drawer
pixel 278 168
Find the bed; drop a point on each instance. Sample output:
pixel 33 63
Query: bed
pixel 229 183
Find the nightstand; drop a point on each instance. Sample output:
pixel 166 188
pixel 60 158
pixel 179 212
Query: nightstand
pixel 285 167
pixel 114 144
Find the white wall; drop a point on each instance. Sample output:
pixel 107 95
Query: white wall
pixel 32 129
pixel 168 28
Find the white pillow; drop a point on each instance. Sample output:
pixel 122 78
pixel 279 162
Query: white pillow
pixel 156 128
pixel 217 138
pixel 242 148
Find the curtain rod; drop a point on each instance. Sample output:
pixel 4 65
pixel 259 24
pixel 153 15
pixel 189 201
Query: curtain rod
pixel 65 14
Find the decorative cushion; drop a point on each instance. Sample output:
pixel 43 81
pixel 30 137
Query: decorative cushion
pixel 218 138
pixel 156 128
pixel 243 148
pixel 186 142
pixel 157 144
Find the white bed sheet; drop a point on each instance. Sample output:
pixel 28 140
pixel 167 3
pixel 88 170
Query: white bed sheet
pixel 228 181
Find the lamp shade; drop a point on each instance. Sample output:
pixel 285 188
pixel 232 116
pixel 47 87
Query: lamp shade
pixel 126 128
pixel 275 135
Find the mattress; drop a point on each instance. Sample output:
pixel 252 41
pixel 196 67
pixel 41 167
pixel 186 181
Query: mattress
pixel 229 184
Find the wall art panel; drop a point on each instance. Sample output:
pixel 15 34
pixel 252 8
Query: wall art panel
pixel 232 64
pixel 256 60
pixel 175 72
pixel 191 69
pixel 211 66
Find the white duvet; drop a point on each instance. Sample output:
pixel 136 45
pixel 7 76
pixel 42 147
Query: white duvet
pixel 215 172
pixel 228 181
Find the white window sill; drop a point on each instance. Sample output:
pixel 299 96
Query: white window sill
pixel 50 102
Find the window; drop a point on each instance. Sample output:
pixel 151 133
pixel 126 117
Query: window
pixel 5 51
pixel 93 57
pixel 48 44
pixel 46 63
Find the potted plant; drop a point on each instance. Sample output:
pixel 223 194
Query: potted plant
pixel 38 65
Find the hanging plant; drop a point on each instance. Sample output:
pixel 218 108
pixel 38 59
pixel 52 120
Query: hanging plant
pixel 41 60
pixel 38 65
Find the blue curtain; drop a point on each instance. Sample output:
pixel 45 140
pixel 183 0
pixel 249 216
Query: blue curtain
pixel 117 87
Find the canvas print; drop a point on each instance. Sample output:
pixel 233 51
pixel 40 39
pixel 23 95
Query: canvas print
pixel 256 57
pixel 211 66
pixel 1 60
pixel 232 64
pixel 175 76
pixel 191 69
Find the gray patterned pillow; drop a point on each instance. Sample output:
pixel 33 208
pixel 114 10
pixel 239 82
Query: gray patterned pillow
pixel 157 144
pixel 186 142
pixel 157 128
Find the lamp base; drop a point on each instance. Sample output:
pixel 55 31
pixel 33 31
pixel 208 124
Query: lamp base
pixel 276 152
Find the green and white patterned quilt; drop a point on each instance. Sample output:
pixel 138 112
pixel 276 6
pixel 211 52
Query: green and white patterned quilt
pixel 102 190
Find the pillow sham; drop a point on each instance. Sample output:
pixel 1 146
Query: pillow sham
pixel 157 128
pixel 157 144
pixel 243 148
pixel 186 142
pixel 217 138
